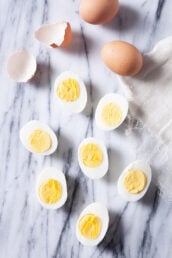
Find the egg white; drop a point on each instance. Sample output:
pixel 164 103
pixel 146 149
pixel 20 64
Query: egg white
pixel 138 164
pixel 27 130
pixel 52 173
pixel 78 105
pixel 101 170
pixel 115 98
pixel 99 210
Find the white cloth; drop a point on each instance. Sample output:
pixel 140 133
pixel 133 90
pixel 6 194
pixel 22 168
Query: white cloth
pixel 150 92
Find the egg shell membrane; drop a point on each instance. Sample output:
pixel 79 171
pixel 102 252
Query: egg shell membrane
pixel 52 173
pixel 140 165
pixel 55 35
pixel 101 170
pixel 99 210
pixel 78 105
pixel 21 66
pixel 118 100
pixel 29 127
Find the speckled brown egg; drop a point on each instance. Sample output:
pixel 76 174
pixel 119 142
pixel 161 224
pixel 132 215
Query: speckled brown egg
pixel 98 11
pixel 122 58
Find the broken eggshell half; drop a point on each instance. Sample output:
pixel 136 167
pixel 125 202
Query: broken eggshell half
pixel 21 66
pixel 54 35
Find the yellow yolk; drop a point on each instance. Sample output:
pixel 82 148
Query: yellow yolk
pixel 135 181
pixel 111 114
pixel 50 191
pixel 68 90
pixel 90 226
pixel 39 141
pixel 91 155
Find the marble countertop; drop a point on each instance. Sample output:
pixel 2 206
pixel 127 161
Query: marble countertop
pixel 142 229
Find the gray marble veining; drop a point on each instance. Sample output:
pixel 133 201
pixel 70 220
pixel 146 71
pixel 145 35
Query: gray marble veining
pixel 142 229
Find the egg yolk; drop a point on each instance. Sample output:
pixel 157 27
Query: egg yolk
pixel 39 141
pixel 135 181
pixel 91 155
pixel 111 114
pixel 50 191
pixel 90 226
pixel 68 90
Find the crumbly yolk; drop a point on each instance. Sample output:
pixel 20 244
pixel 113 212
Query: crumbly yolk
pixel 111 114
pixel 39 141
pixel 50 191
pixel 135 181
pixel 91 155
pixel 90 226
pixel 68 90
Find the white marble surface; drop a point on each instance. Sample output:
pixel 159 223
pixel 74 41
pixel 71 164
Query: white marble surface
pixel 142 229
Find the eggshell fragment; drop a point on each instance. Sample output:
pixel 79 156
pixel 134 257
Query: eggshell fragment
pixel 55 35
pixel 98 11
pixel 122 58
pixel 21 66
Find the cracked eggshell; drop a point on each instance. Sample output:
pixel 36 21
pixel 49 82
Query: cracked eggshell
pixel 21 66
pixel 54 35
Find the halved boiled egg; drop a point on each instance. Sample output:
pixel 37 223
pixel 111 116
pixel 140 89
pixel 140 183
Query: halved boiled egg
pixel 38 137
pixel 55 35
pixel 111 111
pixel 21 66
pixel 93 158
pixel 92 224
pixel 70 92
pixel 51 189
pixel 134 181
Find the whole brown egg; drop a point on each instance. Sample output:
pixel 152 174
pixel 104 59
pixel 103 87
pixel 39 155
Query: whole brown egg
pixel 122 58
pixel 98 11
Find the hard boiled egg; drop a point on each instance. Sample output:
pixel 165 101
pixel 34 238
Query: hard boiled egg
pixel 93 158
pixel 70 91
pixel 122 58
pixel 38 137
pixel 54 35
pixel 92 224
pixel 111 111
pixel 51 189
pixel 134 181
pixel 98 11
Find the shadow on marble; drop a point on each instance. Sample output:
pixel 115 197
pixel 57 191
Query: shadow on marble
pixel 114 238
pixel 149 197
pixel 64 145
pixel 126 19
pixel 116 166
pixel 79 44
pixel 93 97
pixel 43 75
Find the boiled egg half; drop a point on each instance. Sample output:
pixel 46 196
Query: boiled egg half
pixel 51 189
pixel 38 137
pixel 70 91
pixel 111 111
pixel 93 158
pixel 134 181
pixel 92 224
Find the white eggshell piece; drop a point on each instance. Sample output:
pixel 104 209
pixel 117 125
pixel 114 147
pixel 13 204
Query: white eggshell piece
pixel 99 210
pixel 32 125
pixel 78 105
pixel 115 98
pixel 51 34
pixel 21 66
pixel 52 173
pixel 101 170
pixel 138 164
